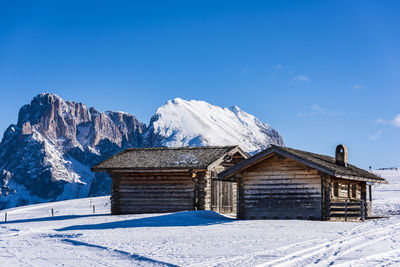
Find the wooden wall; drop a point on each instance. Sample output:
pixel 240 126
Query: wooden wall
pixel 345 189
pixel 280 188
pixel 346 200
pixel 155 192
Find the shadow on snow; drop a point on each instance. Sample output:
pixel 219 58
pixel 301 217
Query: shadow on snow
pixel 178 219
pixel 132 256
pixel 55 218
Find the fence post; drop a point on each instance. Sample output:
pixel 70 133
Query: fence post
pixel 5 217
pixel 52 213
pixel 94 209
pixel 363 210
pixel 345 211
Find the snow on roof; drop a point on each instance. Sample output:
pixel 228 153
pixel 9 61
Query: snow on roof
pixel 164 158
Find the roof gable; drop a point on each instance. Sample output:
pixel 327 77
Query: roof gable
pixel 323 163
pixel 166 158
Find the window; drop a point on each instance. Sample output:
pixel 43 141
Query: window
pixel 354 191
pixel 336 189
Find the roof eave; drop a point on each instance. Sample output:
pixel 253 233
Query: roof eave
pixel 147 169
pixel 359 178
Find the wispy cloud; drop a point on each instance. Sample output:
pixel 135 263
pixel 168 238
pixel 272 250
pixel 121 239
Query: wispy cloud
pixel 336 113
pixel 301 78
pixel 316 109
pixel 357 86
pixel 381 121
pixel 376 135
pixel 279 66
pixel 395 122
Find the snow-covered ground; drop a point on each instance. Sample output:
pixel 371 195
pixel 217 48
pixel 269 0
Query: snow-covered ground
pixel 76 236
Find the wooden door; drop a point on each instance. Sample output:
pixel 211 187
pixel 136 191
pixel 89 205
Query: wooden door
pixel 221 197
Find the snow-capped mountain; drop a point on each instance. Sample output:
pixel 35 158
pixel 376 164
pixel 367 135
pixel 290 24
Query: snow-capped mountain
pixel 198 123
pixel 47 155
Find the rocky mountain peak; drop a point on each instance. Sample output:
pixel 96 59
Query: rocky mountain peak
pixel 47 155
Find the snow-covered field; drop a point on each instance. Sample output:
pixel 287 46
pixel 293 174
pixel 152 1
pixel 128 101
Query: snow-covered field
pixel 76 236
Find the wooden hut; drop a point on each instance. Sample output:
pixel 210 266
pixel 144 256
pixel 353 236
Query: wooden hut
pixel 152 180
pixel 286 183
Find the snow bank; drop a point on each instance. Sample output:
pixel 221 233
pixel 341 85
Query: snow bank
pixel 386 197
pixel 76 236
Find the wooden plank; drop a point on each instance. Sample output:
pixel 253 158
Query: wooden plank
pixel 149 179
pixel 156 196
pixel 288 210
pixel 262 181
pixel 160 182
pixel 158 203
pixel 149 174
pixel 342 204
pixel 282 191
pixel 289 197
pixel 157 186
pixel 155 191
pixel 156 178
pixel 280 186
pixel 281 172
pixel 282 202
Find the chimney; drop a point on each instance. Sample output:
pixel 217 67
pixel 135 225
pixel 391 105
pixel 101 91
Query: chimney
pixel 341 155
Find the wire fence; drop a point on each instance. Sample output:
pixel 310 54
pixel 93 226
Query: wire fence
pixel 47 210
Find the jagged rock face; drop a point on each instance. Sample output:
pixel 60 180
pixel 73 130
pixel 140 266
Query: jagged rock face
pixel 198 123
pixel 47 155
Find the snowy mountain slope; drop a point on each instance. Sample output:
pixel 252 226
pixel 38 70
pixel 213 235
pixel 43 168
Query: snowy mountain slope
pixel 47 155
pixel 198 123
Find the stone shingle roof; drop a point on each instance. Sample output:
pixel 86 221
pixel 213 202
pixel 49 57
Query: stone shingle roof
pixel 322 163
pixel 164 158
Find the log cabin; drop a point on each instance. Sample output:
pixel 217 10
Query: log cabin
pixel 154 180
pixel 286 183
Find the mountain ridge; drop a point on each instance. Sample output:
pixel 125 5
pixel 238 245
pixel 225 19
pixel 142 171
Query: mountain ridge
pixel 47 155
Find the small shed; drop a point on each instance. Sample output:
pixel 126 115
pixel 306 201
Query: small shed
pixel 286 183
pixel 164 179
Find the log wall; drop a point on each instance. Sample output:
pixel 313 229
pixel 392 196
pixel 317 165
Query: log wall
pixel 158 191
pixel 155 192
pixel 280 188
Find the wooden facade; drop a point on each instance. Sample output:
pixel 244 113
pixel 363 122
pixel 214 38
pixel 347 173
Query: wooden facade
pixel 165 188
pixel 153 192
pixel 280 188
pixel 346 199
pixel 283 183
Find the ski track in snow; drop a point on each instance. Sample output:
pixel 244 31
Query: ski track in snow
pixel 76 236
pixel 327 253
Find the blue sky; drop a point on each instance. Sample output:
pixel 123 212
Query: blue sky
pixel 320 72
